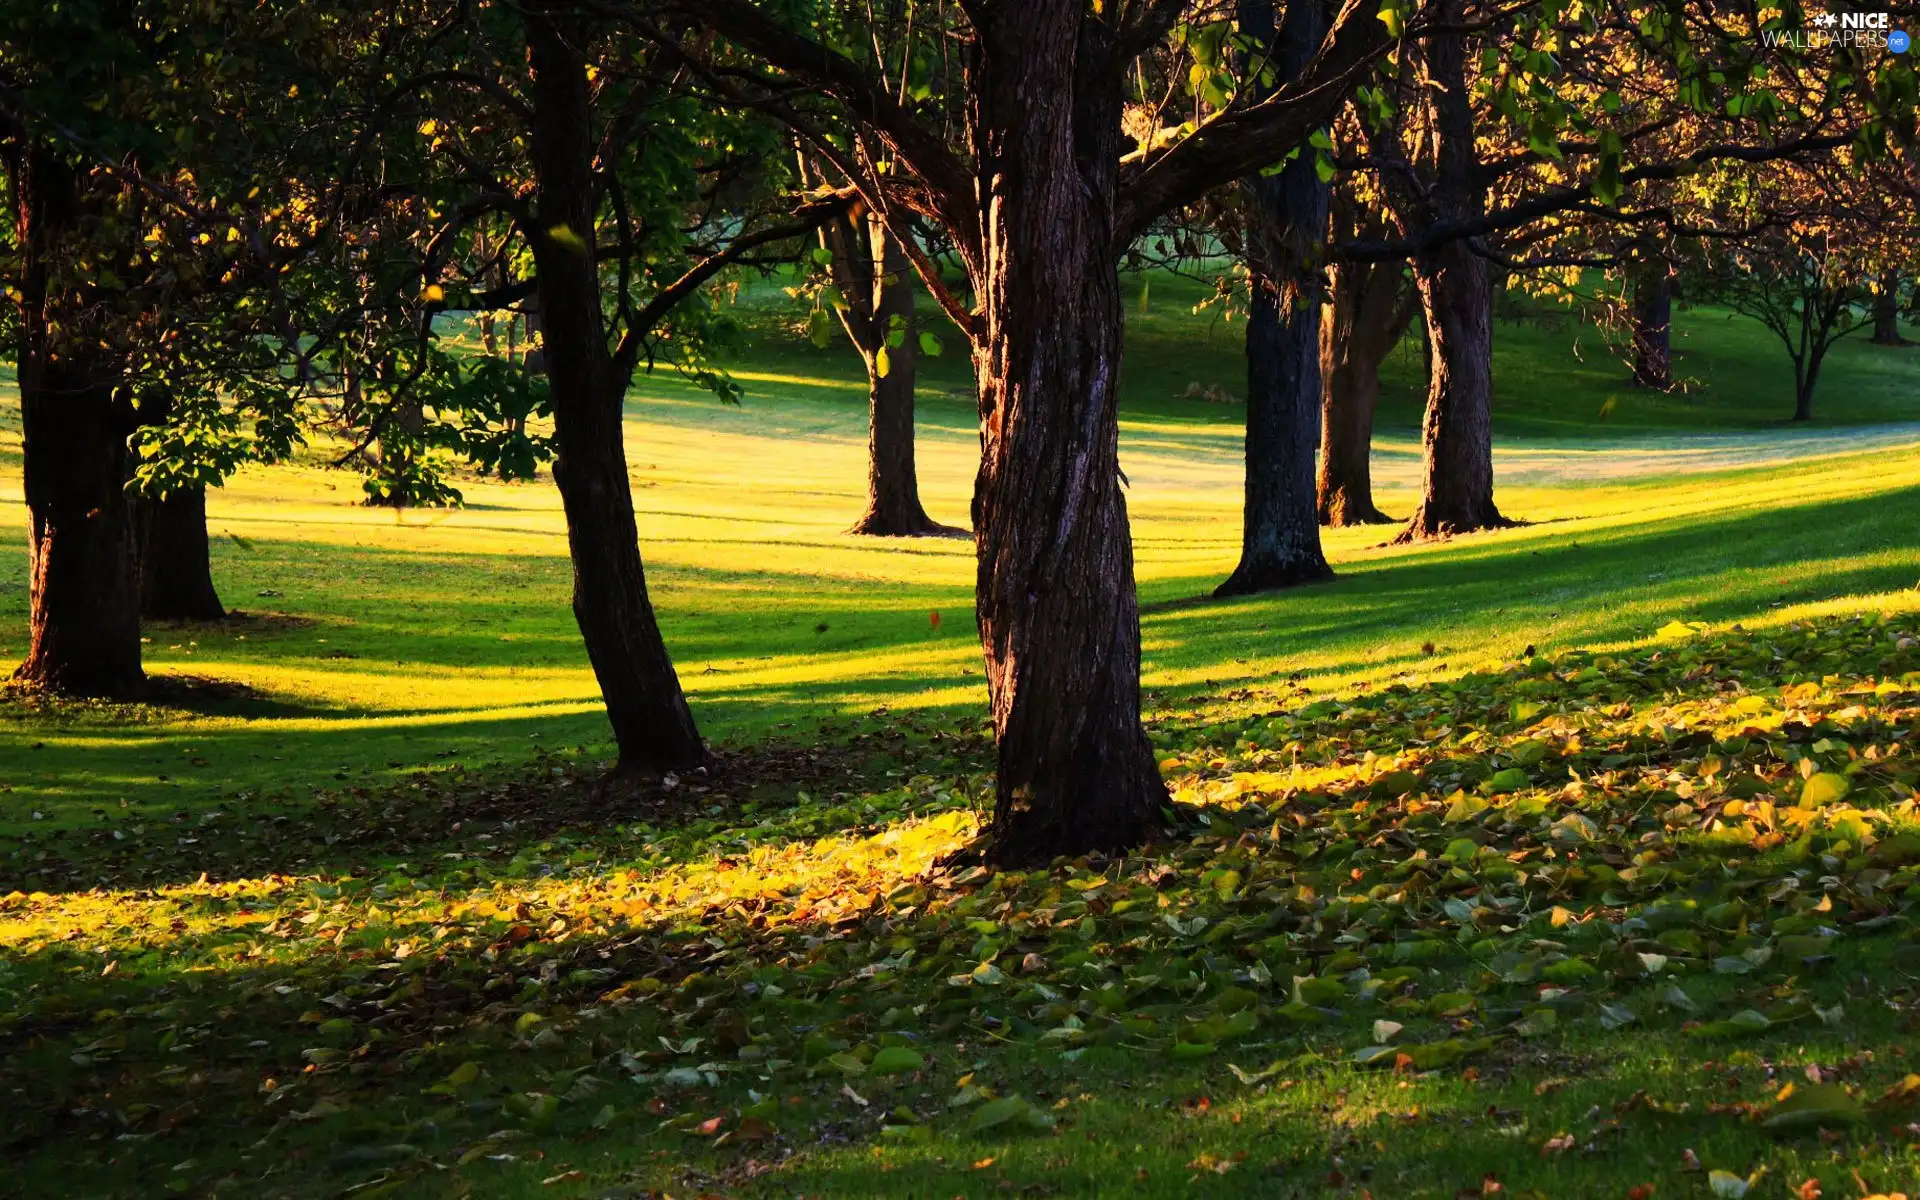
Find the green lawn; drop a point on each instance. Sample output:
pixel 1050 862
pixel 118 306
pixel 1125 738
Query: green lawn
pixel 1438 900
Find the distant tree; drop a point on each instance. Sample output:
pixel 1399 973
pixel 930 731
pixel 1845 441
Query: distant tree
pixel 1886 308
pixel 1510 144
pixel 192 440
pixel 1652 322
pixel 1798 285
pixel 869 288
pixel 1369 305
pixel 1286 229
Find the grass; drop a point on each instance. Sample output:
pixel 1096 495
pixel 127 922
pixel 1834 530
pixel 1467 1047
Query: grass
pixel 260 932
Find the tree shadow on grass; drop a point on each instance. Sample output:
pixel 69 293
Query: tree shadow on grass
pixel 491 814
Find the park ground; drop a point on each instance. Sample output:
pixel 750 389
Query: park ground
pixel 1570 860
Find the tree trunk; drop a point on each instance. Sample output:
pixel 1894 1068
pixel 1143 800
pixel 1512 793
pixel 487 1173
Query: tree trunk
pixel 1368 312
pixel 893 483
pixel 174 568
pixel 1456 436
pixel 1886 310
pixel 651 722
pixel 1653 326
pixel 1804 380
pixel 398 469
pixel 1286 230
pixel 1457 300
pixel 1058 617
pixel 83 624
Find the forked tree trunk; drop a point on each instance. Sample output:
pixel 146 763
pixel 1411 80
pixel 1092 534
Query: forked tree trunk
pixel 1286 229
pixel 651 722
pixel 1653 326
pixel 1806 376
pixel 83 624
pixel 1058 616
pixel 1456 298
pixel 1368 312
pixel 174 564
pixel 1886 310
pixel 876 280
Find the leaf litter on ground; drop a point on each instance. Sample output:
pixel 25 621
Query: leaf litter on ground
pixel 1411 880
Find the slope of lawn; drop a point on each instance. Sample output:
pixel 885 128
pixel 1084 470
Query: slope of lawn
pixel 1565 861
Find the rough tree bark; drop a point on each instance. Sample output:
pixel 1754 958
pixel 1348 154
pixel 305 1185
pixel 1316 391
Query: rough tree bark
pixel 174 568
pixel 1059 620
pixel 1653 326
pixel 1456 299
pixel 1886 310
pixel 83 622
pixel 651 723
pixel 1038 214
pixel 875 281
pixel 1286 232
pixel 1369 305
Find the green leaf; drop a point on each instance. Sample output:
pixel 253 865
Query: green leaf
pixel 930 345
pixel 895 1060
pixel 847 1065
pixel 1822 789
pixel 1006 1110
pixel 1815 1106
pixel 1390 17
pixel 1370 1055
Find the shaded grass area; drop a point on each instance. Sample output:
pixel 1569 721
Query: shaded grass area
pixel 1573 924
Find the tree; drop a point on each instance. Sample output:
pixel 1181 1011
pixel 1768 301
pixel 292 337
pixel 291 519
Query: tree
pixel 1447 187
pixel 1801 288
pixel 1886 308
pixel 1368 307
pixel 148 151
pixel 1286 216
pixel 84 626
pixel 1652 320
pixel 873 297
pixel 1505 129
pixel 190 442
pixel 1005 133
pixel 540 128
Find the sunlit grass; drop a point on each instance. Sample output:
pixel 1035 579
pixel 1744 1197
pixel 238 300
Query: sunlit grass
pixel 389 640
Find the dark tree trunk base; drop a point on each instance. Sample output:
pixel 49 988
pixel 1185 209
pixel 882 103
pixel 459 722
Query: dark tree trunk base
pixel 913 525
pixel 1342 512
pixel 170 547
pixel 1427 529
pixel 1251 579
pixel 1126 816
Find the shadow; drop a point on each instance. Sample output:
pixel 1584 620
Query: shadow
pixel 161 698
pixel 486 812
pixel 1552 588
